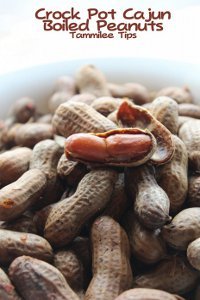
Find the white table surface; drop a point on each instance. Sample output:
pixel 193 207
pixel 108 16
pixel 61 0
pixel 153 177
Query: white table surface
pixel 23 43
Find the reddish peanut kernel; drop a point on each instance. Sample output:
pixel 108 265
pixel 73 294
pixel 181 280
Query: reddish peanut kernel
pixel 89 147
pixel 128 145
pixel 119 146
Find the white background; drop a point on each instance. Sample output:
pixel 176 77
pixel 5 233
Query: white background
pixel 23 43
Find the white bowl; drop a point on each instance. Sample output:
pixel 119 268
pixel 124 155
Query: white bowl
pixel 38 81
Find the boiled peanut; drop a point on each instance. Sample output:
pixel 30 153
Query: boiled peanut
pixel 69 215
pixel 81 246
pixel 36 279
pixel 75 117
pixel 18 196
pixel 193 253
pixel 31 133
pixel 194 191
pixel 85 98
pixel 8 135
pixel 182 120
pixel 23 109
pixel 7 290
pixel 119 147
pixel 65 84
pixel 173 176
pixel 45 157
pixel 46 119
pixel 69 264
pixel 118 201
pixel 180 95
pixel 147 294
pixel 14 244
pixel 57 99
pixel 189 110
pixel 106 105
pixel 111 267
pixel 13 164
pixel 189 133
pixel 151 203
pixel 72 172
pixel 173 275
pixel 130 115
pixel 146 245
pixel 22 224
pixel 165 110
pixel 135 91
pixel 40 218
pixel 90 80
pixel 64 89
pixel 183 229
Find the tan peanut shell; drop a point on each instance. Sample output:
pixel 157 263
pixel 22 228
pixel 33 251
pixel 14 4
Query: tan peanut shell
pixel 91 80
pixel 70 265
pixel 193 254
pixel 84 98
pixel 118 201
pixel 22 224
pixel 189 110
pixel 112 272
pixel 7 290
pixel 106 105
pixel 182 120
pixel 65 84
pixel 71 171
pixel 180 95
pixel 13 163
pixel 135 91
pixel 173 177
pixel 14 244
pixel 183 229
pixel 189 133
pixel 18 196
pixel 64 89
pixel 46 119
pixel 151 203
pixel 113 117
pixel 36 279
pixel 69 215
pixel 57 99
pixel 165 110
pixel 173 275
pixel 194 191
pixel 147 294
pixel 30 134
pixel 130 115
pixel 75 117
pixel 146 245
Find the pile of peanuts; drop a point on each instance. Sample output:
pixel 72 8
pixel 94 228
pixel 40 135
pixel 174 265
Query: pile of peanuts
pixel 100 198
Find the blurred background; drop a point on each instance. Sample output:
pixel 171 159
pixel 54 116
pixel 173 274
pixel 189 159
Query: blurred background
pixel 23 43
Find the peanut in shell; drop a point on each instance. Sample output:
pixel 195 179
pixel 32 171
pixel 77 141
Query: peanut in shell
pixel 25 272
pixel 68 216
pixel 112 272
pixel 147 294
pixel 173 275
pixel 183 229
